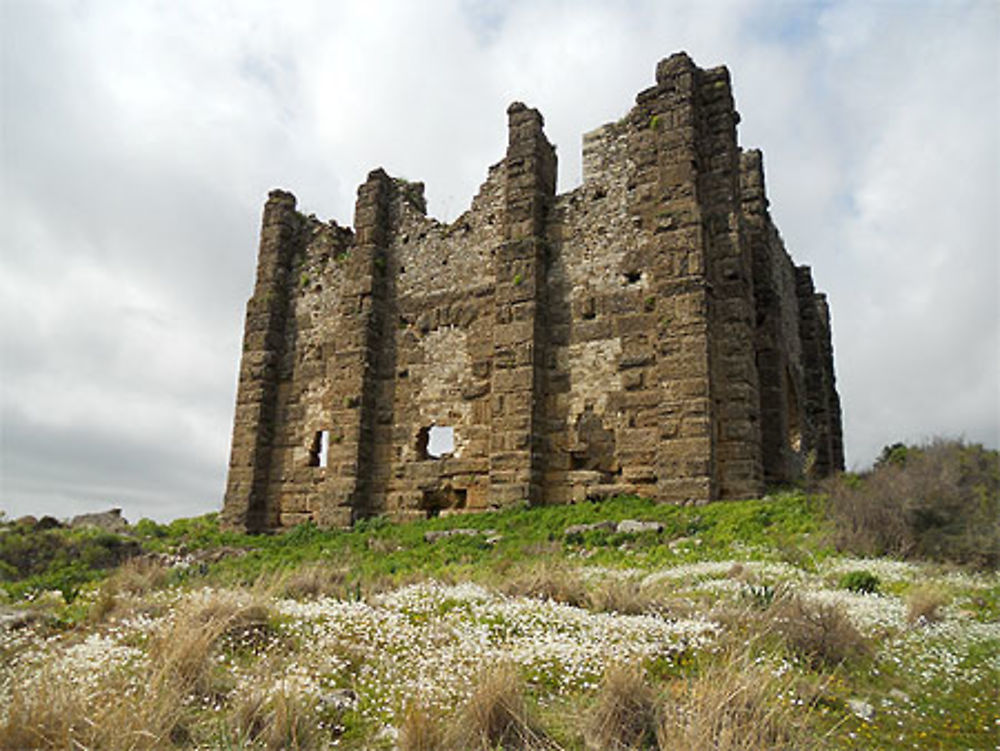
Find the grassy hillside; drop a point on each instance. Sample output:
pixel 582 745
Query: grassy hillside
pixel 731 626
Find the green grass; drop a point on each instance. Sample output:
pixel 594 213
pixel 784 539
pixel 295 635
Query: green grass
pixel 376 551
pixel 931 687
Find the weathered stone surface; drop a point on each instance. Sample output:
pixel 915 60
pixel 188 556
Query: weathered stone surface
pixel 48 522
pixel 435 535
pixel 579 529
pixel 110 521
pixel 633 527
pixel 644 333
pixel 14 618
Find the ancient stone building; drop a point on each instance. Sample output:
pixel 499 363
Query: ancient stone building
pixel 645 333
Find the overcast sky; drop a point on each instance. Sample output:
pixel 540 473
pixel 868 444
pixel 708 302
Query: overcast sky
pixel 139 140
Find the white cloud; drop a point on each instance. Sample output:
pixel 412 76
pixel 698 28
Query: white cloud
pixel 140 139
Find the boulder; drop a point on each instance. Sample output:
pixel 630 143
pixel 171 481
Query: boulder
pixel 110 521
pixel 48 522
pixel 339 700
pixel 436 535
pixel 13 618
pixel 861 709
pixel 633 527
pixel 579 529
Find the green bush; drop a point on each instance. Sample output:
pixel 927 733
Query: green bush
pixel 864 582
pixel 34 560
pixel 938 501
pixel 26 551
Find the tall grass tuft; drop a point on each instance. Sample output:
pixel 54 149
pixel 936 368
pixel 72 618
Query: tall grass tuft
pixel 548 580
pixel 134 578
pixel 733 705
pixel 110 713
pixel 312 580
pixel 625 596
pixel 497 714
pixel 421 729
pixel 924 604
pixel 625 715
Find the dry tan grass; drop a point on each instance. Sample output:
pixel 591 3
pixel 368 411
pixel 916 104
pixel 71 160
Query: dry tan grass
pixel 147 710
pixel 625 715
pixel 313 580
pixel 819 633
pixel 121 591
pixel 140 575
pixel 924 604
pixel 733 705
pixel 548 580
pixel 180 654
pixel 272 722
pixel 56 714
pixel 625 596
pixel 497 715
pixel 421 729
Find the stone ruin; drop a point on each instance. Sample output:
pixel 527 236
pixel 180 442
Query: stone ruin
pixel 646 333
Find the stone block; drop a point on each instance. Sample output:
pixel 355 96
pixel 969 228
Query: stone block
pixel 639 474
pixel 294 519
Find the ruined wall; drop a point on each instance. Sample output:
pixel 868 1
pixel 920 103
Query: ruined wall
pixel 645 333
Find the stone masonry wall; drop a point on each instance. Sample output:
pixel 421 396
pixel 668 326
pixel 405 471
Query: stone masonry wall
pixel 645 333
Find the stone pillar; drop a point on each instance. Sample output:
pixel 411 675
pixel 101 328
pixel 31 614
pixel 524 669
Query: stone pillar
pixel 664 202
pixel 517 388
pixel 823 435
pixel 729 267
pixel 834 420
pixel 778 394
pixel 248 505
pixel 352 366
pixel 686 194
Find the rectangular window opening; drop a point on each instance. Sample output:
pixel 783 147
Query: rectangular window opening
pixel 440 441
pixel 319 452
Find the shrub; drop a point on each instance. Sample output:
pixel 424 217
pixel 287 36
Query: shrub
pixel 818 633
pixel 863 582
pixel 625 714
pixel 939 501
pixel 34 559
